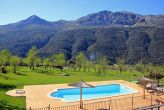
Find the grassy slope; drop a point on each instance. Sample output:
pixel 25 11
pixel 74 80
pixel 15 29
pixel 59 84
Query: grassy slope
pixel 40 76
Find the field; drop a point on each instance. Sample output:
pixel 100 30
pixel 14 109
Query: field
pixel 25 76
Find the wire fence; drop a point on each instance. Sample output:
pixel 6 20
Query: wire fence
pixel 128 103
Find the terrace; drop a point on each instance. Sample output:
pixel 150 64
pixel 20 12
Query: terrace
pixel 37 96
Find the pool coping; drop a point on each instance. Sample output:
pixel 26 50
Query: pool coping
pixel 70 87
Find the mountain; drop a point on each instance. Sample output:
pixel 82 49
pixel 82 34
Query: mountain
pixel 134 44
pixel 108 18
pixel 33 20
pixel 114 34
pixel 19 37
pixel 151 20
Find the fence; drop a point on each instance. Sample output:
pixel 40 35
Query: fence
pixel 128 103
pixel 156 107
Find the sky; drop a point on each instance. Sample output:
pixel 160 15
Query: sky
pixel 52 10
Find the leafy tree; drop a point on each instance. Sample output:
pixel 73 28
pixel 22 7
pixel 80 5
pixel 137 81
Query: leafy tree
pixel 32 57
pixel 89 65
pixel 38 61
pixel 149 67
pixel 80 61
pixel 155 73
pixel 15 62
pixel 103 61
pixel 86 64
pixel 101 65
pixel 140 66
pixel 72 64
pixel 121 64
pixel 98 69
pixel 22 63
pixel 4 59
pixel 59 60
pixel 46 63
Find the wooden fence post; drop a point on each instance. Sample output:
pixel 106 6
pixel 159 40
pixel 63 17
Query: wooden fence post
pixel 49 107
pixel 110 103
pixel 132 101
pixel 151 99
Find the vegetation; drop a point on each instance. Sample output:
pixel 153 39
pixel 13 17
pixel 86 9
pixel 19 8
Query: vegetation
pixel 155 73
pixel 47 63
pixel 80 61
pixel 101 65
pixel 134 43
pixel 4 59
pixel 59 60
pixel 87 38
pixel 15 61
pixel 48 71
pixel 31 58
pixel 140 67
pixel 120 63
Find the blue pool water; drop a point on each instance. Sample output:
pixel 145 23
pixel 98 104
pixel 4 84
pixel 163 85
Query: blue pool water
pixel 72 94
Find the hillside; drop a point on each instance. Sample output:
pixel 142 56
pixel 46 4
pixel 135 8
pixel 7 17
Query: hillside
pixel 115 34
pixel 131 43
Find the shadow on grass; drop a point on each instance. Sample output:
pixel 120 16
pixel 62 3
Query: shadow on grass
pixel 44 72
pixel 6 86
pixel 101 74
pixel 20 73
pixel 5 106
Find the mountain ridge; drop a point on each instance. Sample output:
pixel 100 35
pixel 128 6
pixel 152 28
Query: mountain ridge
pixel 105 12
pixel 115 34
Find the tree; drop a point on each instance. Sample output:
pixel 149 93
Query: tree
pixel 155 73
pixel 141 67
pixel 101 65
pixel 46 63
pixel 59 60
pixel 80 60
pixel 4 59
pixel 32 57
pixel 89 65
pixel 15 62
pixel 120 64
pixel 72 64
pixel 38 62
pixel 97 68
pixel 149 67
pixel 103 61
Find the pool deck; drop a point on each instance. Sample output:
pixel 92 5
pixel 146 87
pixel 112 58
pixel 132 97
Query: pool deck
pixel 37 96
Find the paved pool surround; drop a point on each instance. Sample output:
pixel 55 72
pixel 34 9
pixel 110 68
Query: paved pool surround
pixel 38 96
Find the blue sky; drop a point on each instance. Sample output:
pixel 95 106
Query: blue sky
pixel 53 10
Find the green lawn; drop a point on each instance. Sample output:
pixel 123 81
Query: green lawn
pixel 26 76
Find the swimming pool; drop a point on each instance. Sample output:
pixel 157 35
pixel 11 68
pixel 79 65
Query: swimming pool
pixel 72 94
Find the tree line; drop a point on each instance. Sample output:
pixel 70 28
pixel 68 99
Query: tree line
pixel 32 60
pixel 79 62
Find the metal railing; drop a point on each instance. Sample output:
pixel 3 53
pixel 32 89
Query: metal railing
pixel 155 107
pixel 127 103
